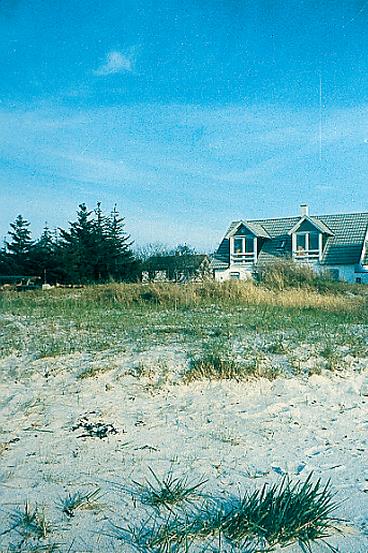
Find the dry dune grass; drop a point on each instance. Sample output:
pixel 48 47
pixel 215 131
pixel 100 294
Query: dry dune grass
pixel 241 293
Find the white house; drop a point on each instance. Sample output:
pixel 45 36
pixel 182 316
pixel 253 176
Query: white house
pixel 336 244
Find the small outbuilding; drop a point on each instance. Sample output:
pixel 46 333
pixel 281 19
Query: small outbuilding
pixel 176 268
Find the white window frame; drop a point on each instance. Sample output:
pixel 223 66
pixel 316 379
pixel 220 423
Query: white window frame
pixel 306 254
pixel 243 257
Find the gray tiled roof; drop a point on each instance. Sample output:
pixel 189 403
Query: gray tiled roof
pixel 343 248
pixel 320 225
pixel 254 227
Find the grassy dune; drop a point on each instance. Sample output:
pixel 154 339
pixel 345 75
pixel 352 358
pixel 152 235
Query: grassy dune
pixel 62 321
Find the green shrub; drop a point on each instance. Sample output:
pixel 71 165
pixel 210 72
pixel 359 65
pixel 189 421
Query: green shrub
pixel 286 273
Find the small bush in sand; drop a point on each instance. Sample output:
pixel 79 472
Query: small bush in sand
pixel 169 490
pixel 279 515
pixel 80 501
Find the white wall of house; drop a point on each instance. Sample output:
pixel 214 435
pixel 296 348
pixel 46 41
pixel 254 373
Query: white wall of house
pixel 347 273
pixel 362 276
pixel 234 272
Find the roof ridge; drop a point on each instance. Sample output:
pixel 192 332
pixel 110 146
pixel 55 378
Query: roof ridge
pixel 295 216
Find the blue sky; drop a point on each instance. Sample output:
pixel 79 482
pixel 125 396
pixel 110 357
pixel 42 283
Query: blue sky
pixel 186 113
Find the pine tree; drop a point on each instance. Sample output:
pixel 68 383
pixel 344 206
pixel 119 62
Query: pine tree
pixel 45 258
pixel 101 260
pixel 95 248
pixel 5 266
pixel 20 247
pixel 121 264
pixel 77 246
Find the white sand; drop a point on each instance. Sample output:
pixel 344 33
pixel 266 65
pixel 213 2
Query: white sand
pixel 228 432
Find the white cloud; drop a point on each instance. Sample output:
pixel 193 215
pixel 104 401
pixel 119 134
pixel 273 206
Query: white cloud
pixel 116 62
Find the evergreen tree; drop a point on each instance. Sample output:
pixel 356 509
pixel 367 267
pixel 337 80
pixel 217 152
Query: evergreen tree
pixel 101 261
pixel 95 248
pixel 121 263
pixel 77 247
pixel 45 258
pixel 5 267
pixel 20 247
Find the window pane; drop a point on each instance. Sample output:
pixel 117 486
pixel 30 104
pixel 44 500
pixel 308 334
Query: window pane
pixel 313 241
pixel 249 245
pixel 235 276
pixel 300 241
pixel 238 245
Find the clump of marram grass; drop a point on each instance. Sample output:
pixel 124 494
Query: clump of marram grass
pixel 80 501
pixel 169 490
pixel 219 362
pixel 285 273
pixel 279 515
pixel 215 365
pixel 283 514
pixel 29 522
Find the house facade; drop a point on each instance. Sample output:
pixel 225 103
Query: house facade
pixel 334 244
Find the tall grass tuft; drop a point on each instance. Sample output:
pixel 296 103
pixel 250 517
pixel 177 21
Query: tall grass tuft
pixel 218 361
pixel 29 522
pixel 169 490
pixel 276 516
pixel 283 514
pixel 216 365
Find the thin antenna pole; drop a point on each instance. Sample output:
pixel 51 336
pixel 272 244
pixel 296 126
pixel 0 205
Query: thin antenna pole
pixel 320 116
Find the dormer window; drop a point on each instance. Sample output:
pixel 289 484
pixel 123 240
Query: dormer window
pixel 307 245
pixel 245 241
pixel 244 248
pixel 309 237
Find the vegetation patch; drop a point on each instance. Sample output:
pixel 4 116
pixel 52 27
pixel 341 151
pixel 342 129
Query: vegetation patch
pixel 279 515
pixel 93 371
pixel 30 521
pixel 215 365
pixel 169 490
pixel 219 362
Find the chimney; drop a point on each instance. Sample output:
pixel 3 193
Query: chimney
pixel 304 210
